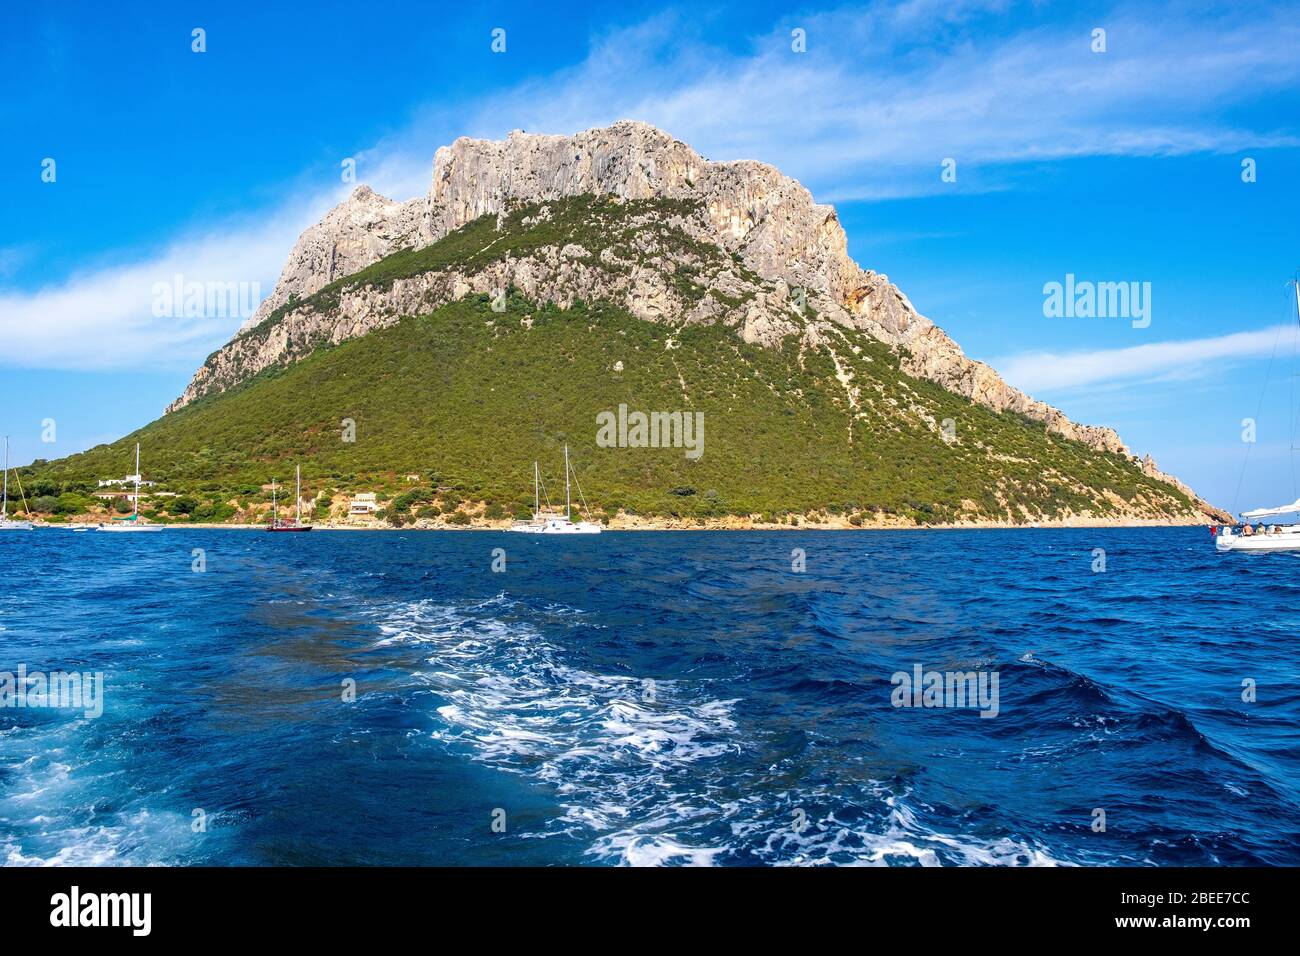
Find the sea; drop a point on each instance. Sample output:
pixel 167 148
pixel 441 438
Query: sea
pixel 1029 697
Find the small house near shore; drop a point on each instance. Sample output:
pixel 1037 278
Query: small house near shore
pixel 363 504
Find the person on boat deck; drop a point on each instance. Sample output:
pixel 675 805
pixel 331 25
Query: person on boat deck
pixel 1247 529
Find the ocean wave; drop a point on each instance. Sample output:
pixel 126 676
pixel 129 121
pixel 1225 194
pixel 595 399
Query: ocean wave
pixel 49 816
pixel 648 769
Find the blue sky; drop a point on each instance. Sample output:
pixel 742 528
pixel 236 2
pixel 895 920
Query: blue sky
pixel 1123 165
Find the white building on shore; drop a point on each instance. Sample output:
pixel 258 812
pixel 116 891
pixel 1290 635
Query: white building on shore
pixel 122 482
pixel 363 504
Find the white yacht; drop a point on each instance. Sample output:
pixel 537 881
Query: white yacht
pixel 551 521
pixel 1262 537
pixel 6 523
pixel 132 522
pixel 1277 537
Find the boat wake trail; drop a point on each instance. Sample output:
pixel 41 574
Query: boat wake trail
pixel 614 748
pixel 648 772
pixel 51 813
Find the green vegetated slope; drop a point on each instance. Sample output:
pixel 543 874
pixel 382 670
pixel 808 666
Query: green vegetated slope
pixel 468 398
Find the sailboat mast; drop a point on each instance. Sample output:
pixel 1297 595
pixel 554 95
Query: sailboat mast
pixel 136 512
pixel 275 512
pixel 1296 285
pixel 537 480
pixel 567 509
pixel 298 489
pixel 4 511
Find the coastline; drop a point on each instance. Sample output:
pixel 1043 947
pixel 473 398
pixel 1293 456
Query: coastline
pixel 719 524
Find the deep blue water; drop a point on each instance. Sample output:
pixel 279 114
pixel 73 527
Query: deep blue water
pixel 651 698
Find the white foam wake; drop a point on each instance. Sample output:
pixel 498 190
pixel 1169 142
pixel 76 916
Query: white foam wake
pixel 614 748
pixel 52 813
pixel 653 773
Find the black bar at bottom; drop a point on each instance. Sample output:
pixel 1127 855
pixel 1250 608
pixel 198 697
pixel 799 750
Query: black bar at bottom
pixel 213 905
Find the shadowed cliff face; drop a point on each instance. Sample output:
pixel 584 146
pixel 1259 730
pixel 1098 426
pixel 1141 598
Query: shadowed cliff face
pixel 776 260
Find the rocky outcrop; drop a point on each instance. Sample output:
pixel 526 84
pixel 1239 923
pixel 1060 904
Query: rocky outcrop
pixel 794 246
pixel 363 229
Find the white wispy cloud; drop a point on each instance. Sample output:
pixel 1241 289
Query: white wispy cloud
pixel 1041 373
pixel 104 318
pixel 882 95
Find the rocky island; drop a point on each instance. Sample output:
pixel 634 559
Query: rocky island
pixel 429 351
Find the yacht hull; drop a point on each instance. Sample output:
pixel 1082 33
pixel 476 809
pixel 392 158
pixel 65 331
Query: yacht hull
pixel 559 527
pixel 1258 542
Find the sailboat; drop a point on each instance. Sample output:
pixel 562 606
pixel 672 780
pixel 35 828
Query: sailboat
pixel 132 522
pixel 552 522
pixel 295 525
pixel 6 524
pixel 1275 537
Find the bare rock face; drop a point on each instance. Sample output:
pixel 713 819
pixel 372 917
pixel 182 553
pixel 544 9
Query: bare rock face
pixel 796 246
pixel 363 229
pixel 770 219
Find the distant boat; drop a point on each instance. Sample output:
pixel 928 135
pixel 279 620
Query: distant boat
pixel 132 522
pixel 552 522
pixel 295 525
pixel 6 524
pixel 1278 537
pixel 1285 537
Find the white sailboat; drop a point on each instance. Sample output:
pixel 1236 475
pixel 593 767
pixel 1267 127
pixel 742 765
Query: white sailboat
pixel 132 522
pixel 1261 537
pixel 552 522
pixel 1278 537
pixel 7 524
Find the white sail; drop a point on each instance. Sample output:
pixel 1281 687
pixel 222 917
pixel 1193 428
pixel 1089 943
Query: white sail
pixel 1293 508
